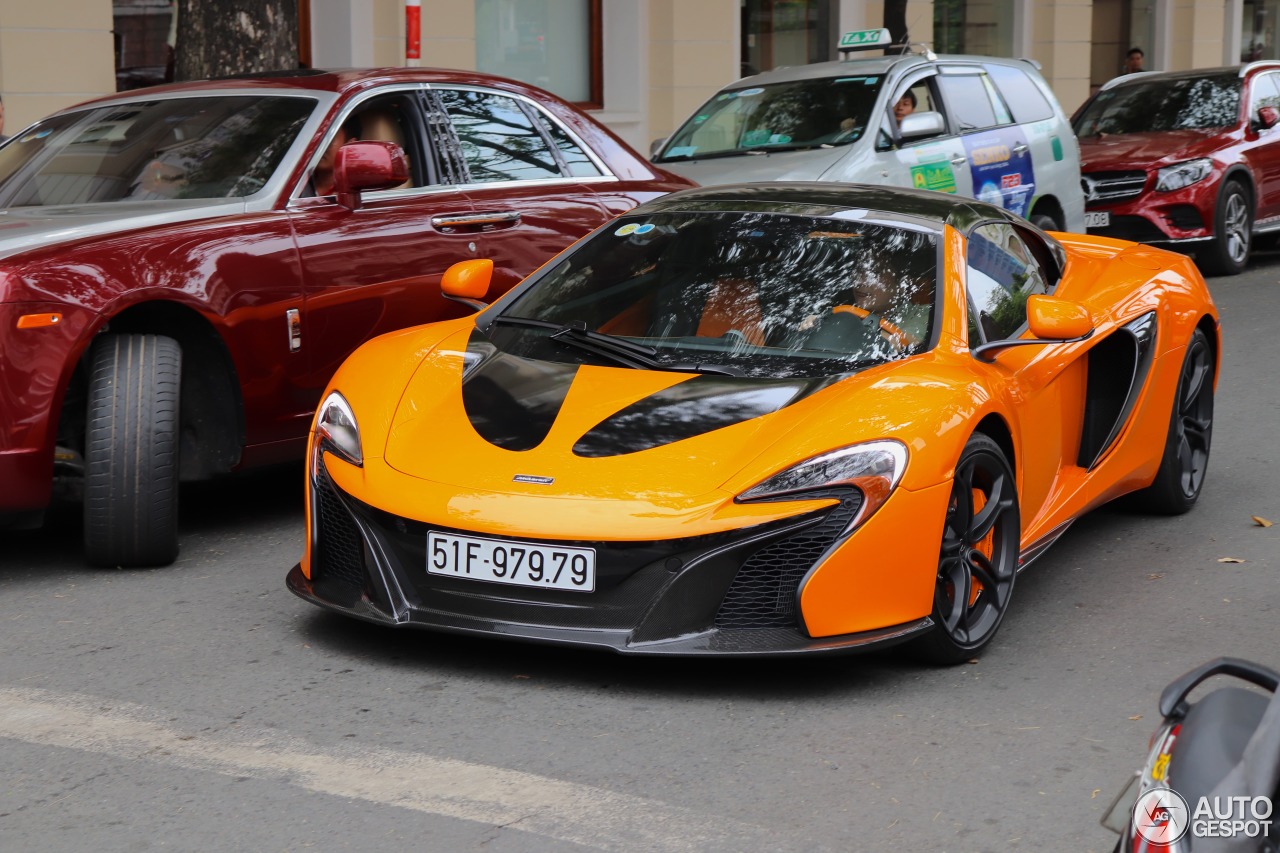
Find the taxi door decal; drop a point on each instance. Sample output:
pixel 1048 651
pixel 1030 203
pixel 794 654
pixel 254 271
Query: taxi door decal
pixel 1000 163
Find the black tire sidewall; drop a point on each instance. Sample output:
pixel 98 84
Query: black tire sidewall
pixel 132 438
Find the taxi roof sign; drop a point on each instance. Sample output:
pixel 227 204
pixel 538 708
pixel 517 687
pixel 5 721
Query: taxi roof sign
pixel 865 40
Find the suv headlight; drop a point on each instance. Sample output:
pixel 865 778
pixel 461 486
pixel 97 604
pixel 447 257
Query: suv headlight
pixel 874 468
pixel 1181 175
pixel 337 431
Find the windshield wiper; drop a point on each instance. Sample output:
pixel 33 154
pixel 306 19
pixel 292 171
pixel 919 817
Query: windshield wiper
pixel 618 349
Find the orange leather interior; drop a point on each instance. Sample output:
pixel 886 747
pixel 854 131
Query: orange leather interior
pixel 734 304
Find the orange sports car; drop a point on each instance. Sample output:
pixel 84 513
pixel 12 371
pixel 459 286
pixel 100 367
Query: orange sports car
pixel 760 419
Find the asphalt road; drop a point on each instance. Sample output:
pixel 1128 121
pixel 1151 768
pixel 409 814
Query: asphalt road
pixel 203 707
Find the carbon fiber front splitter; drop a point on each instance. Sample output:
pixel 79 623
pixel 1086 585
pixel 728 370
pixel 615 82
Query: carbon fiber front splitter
pixel 742 642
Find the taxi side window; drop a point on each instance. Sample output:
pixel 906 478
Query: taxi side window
pixel 1024 97
pixel 1001 272
pixel 920 96
pixel 973 101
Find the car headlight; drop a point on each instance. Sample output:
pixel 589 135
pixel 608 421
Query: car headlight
pixel 874 468
pixel 337 431
pixel 1181 175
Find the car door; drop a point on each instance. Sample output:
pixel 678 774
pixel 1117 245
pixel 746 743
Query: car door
pixel 527 176
pixel 1000 163
pixel 1263 149
pixel 937 163
pixel 1045 385
pixel 378 268
pixel 1054 164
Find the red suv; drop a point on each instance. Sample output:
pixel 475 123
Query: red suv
pixel 183 268
pixel 1188 160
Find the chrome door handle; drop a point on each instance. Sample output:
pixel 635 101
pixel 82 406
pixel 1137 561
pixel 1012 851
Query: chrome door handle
pixel 959 161
pixel 1020 148
pixel 476 220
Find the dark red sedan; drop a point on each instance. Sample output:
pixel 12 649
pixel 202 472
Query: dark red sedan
pixel 183 268
pixel 1188 160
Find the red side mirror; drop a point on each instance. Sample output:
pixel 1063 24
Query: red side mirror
pixel 365 167
pixel 1268 117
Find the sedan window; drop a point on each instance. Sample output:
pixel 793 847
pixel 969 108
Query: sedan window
pixel 176 148
pixel 499 142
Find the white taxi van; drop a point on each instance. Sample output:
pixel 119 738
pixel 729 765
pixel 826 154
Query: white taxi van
pixel 977 126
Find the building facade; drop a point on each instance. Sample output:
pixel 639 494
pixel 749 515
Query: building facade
pixel 641 66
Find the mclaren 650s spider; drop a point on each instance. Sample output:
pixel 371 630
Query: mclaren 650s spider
pixel 758 420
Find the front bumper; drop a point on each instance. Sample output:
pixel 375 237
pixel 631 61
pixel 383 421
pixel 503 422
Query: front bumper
pixel 1178 219
pixel 728 594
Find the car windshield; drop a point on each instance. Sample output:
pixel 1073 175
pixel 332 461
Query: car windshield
pixel 782 116
pixel 747 294
pixel 175 148
pixel 1163 103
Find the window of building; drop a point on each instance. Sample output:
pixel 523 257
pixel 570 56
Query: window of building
pixel 552 44
pixel 144 33
pixel 786 32
pixel 1258 30
pixel 981 27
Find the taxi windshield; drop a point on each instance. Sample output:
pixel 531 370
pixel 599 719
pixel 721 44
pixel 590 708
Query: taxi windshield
pixel 1161 103
pixel 742 294
pixel 818 113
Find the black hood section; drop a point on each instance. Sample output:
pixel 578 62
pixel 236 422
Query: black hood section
pixel 511 401
pixel 690 408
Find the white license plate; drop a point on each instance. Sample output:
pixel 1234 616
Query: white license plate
pixel 517 563
pixel 1097 219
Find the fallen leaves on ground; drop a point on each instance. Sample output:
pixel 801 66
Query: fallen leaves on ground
pixel 1231 560
pixel 1260 521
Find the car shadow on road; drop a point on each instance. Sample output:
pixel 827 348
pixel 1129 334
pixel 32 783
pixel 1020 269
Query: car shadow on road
pixel 481 659
pixel 227 506
pixel 1046 596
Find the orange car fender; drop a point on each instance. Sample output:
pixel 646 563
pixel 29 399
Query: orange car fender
pixel 372 380
pixel 884 573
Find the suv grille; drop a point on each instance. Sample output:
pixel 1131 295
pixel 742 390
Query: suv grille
pixel 1112 186
pixel 763 592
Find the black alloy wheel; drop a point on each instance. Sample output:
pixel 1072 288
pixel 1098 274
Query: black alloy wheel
pixel 1185 462
pixel 979 557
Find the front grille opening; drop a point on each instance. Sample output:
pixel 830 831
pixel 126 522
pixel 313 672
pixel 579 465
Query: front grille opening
pixel 763 592
pixel 338 550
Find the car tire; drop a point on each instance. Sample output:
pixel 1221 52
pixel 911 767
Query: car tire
pixel 980 549
pixel 1044 222
pixel 1185 460
pixel 131 452
pixel 1228 253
